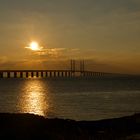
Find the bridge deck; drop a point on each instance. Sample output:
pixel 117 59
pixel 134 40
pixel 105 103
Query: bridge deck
pixel 51 73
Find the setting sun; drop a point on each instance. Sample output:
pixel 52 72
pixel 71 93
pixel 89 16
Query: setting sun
pixel 34 46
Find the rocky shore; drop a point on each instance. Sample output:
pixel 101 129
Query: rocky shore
pixel 30 127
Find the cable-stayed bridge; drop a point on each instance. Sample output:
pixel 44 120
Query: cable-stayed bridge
pixel 71 72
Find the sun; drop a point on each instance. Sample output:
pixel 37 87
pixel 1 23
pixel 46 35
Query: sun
pixel 34 46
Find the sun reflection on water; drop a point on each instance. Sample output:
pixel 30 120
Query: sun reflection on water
pixel 34 98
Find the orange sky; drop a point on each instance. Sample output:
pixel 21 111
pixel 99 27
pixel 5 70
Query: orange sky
pixel 104 33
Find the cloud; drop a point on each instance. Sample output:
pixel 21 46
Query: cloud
pixel 6 63
pixel 3 59
pixel 57 53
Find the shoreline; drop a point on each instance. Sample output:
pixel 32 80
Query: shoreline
pixel 30 126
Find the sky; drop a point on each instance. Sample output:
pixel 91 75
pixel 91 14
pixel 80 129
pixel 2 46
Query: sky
pixel 105 33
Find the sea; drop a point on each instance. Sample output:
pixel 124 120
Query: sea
pixel 71 98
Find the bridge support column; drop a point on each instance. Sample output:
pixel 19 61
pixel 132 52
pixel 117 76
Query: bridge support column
pixel 90 74
pixel 58 74
pixel 27 75
pixel 62 74
pixel 42 75
pixel 46 74
pixel 32 74
pixel 37 74
pixel 1 75
pixel 21 74
pixel 69 74
pixel 96 74
pixel 15 74
pixel 54 74
pixel 83 74
pixel 65 73
pixel 50 74
pixel 8 74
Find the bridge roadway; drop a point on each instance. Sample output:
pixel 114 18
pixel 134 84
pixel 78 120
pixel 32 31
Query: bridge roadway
pixel 50 73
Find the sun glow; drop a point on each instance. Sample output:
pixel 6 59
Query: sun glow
pixel 34 46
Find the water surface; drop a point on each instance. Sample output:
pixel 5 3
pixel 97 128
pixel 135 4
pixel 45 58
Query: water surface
pixel 80 99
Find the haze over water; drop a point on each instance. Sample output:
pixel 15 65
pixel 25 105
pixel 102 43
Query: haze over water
pixel 79 99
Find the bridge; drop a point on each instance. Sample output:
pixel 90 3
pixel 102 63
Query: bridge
pixel 72 72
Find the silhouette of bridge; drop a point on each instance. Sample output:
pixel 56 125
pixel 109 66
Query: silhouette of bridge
pixel 72 72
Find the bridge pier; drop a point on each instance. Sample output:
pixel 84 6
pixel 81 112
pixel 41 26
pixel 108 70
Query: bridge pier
pixel 66 74
pixel 83 74
pixel 50 74
pixel 69 73
pixel 62 74
pixel 95 74
pixel 90 74
pixel 46 74
pixel 58 74
pixel 1 75
pixel 54 74
pixel 42 74
pixel 21 74
pixel 37 74
pixel 27 74
pixel 15 74
pixel 8 74
pixel 32 74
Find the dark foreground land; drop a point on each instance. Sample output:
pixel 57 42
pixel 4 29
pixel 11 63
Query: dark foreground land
pixel 30 127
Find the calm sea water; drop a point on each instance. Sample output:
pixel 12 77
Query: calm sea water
pixel 79 99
